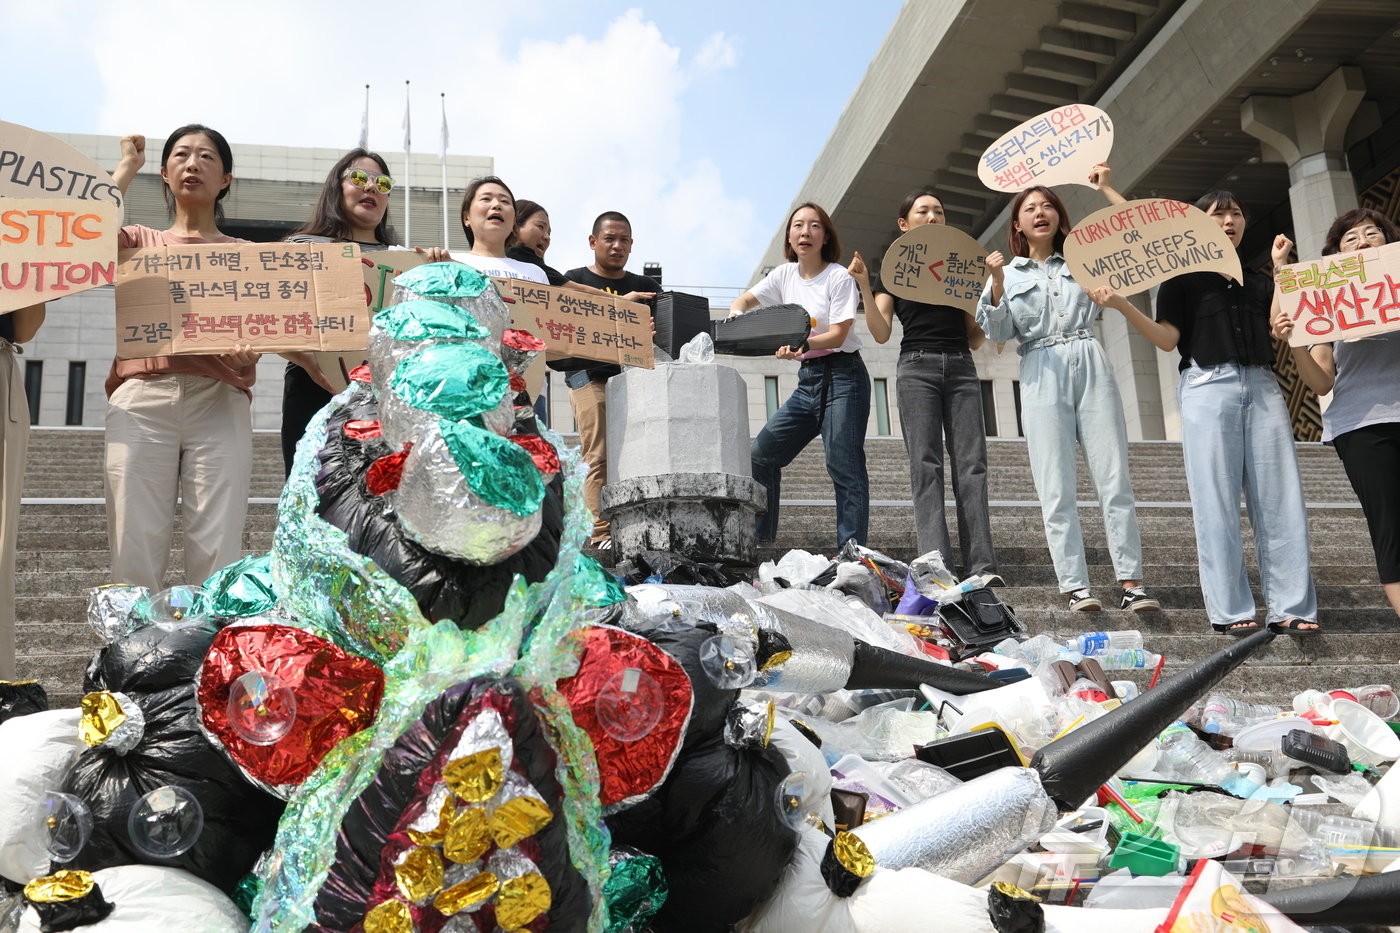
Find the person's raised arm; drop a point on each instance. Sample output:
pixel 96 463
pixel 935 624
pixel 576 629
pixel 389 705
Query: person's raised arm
pixel 1164 336
pixel 27 321
pixel 879 309
pixel 1101 177
pixel 133 157
pixel 745 302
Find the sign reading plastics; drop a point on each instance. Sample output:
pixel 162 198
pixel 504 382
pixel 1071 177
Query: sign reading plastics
pixel 208 298
pixel 935 264
pixel 1342 297
pixel 593 326
pixel 52 248
pixel 1133 246
pixel 1059 147
pixel 36 165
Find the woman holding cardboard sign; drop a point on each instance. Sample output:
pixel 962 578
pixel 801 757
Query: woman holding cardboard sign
pixel 1235 435
pixel 939 395
pixel 1067 394
pixel 1363 421
pixel 179 425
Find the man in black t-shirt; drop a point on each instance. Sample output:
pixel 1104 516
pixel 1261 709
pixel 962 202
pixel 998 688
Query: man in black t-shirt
pixel 611 242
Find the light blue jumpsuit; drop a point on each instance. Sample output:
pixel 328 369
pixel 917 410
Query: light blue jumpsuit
pixel 1067 395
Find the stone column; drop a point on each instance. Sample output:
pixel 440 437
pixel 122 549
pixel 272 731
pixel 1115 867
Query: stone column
pixel 1306 133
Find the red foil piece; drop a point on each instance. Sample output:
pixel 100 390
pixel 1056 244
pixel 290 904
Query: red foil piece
pixel 360 373
pixel 386 473
pixel 541 451
pixel 337 695
pixel 628 770
pixel 363 430
pixel 517 382
pixel 518 339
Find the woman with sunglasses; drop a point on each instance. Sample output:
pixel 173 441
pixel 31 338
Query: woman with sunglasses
pixel 1363 421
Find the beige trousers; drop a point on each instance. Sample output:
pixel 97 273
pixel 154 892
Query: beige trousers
pixel 176 435
pixel 591 418
pixel 14 441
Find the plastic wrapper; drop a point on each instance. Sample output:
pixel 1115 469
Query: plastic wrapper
pixel 805 758
pixel 635 890
pixel 833 610
pixel 336 695
pixel 21 697
pixel 887 732
pixel 398 332
pixel 243 588
pixel 862 583
pixel 113 610
pixel 1349 789
pixel 39 750
pixel 669 567
pixel 919 780
pixel 698 349
pixel 157 668
pixel 469 494
pixel 796 567
pixel 931 575
pixel 146 898
pixel 888 570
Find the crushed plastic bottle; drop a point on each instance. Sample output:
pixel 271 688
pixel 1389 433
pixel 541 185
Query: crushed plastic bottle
pixel 1126 659
pixel 1041 649
pixel 1187 758
pixel 1224 715
pixel 1092 644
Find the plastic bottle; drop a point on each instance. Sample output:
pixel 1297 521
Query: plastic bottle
pixel 1380 699
pixel 1126 659
pixel 1037 650
pixel 1095 643
pixel 1226 716
pixel 1189 759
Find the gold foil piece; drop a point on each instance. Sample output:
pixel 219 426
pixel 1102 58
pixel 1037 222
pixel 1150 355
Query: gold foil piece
pixel 1010 890
pixel 518 818
pixel 467 894
pixel 419 874
pixel 58 887
pixel 522 899
pixel 468 837
pixel 389 917
pixel 775 659
pixel 436 835
pixel 476 777
pixel 851 852
pixel 768 729
pixel 102 715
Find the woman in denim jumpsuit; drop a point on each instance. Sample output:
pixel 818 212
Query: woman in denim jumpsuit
pixel 1067 395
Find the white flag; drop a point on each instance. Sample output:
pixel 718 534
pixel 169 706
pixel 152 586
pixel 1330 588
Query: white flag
pixel 407 130
pixel 442 156
pixel 364 122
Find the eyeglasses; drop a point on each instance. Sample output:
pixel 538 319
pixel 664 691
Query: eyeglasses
pixel 1366 233
pixel 362 179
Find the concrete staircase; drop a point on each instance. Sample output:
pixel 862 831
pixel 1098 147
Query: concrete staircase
pixel 63 552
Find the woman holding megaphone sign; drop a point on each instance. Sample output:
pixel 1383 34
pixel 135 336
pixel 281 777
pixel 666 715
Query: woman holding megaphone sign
pixel 1068 396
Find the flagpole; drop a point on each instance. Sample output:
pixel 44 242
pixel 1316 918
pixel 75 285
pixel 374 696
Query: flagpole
pixel 443 159
pixel 364 122
pixel 407 179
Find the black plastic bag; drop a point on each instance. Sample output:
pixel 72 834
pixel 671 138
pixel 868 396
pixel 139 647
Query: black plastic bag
pixel 19 698
pixel 671 568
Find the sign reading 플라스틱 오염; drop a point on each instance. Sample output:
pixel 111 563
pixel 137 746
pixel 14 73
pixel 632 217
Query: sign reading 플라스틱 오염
pixel 1341 297
pixel 209 298
pixel 935 264
pixel 1133 246
pixel 583 324
pixel 51 248
pixel 1059 147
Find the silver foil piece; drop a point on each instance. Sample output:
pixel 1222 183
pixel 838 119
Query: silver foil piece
pixel 484 732
pixel 509 863
pixel 112 609
pixel 967 832
pixel 487 308
pixel 403 423
pixel 386 353
pixel 129 734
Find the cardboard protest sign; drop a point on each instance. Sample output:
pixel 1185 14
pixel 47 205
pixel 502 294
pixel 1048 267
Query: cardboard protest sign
pixel 1133 246
pixel 36 165
pixel 1342 297
pixel 1059 147
pixel 380 267
pixel 54 248
pixel 595 327
pixel 935 264
pixel 207 298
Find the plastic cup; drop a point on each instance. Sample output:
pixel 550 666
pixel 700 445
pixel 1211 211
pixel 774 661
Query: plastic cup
pixel 1369 740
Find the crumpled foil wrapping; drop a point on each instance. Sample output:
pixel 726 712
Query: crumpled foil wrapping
pixel 473 514
pixel 450 381
pixel 635 891
pixel 456 284
pixel 967 832
pixel 821 655
pixel 112 720
pixel 113 609
pixel 243 588
pixel 398 332
pixel 524 893
pixel 519 349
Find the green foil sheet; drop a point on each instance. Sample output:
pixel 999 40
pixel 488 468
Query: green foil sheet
pixel 245 893
pixel 498 470
pixel 423 319
pixel 243 588
pixel 451 380
pixel 635 891
pixel 443 280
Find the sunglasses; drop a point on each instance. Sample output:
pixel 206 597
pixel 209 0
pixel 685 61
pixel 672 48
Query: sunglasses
pixel 362 179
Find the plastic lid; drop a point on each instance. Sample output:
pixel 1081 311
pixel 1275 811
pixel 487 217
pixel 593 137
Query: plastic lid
pixel 1268 735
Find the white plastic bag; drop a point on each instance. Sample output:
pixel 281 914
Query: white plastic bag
pixel 39 749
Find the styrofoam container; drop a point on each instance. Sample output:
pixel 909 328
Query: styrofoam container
pixel 1369 740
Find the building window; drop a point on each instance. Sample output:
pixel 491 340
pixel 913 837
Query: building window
pixel 770 394
pixel 989 408
pixel 882 407
pixel 77 388
pixel 1016 394
pixel 33 383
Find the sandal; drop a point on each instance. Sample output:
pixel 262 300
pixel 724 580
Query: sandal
pixel 1292 627
pixel 1242 627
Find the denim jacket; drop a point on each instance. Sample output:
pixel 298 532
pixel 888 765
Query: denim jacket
pixel 1037 301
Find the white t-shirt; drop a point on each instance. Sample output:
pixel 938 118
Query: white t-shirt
pixel 830 297
pixel 503 267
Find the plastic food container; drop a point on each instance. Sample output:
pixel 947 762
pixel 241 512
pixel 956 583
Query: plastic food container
pixel 1267 736
pixel 1368 738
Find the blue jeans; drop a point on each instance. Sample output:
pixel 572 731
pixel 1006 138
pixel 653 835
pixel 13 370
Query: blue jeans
pixel 940 396
pixel 1068 397
pixel 840 380
pixel 1235 435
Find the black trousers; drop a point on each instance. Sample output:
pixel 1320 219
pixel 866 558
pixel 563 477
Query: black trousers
pixel 301 398
pixel 1371 456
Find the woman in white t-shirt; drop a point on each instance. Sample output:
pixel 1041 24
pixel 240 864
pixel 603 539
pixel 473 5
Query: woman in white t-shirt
pixel 488 220
pixel 833 389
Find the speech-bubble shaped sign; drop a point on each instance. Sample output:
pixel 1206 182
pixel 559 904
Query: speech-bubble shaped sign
pixel 1059 147
pixel 1342 297
pixel 935 264
pixel 1133 246
pixel 54 248
pixel 36 165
